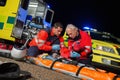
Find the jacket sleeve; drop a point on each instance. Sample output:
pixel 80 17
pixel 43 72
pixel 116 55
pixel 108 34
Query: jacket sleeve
pixel 87 44
pixel 83 45
pixel 40 40
pixel 86 51
pixel 61 42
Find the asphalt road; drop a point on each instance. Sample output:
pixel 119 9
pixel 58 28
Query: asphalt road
pixel 40 73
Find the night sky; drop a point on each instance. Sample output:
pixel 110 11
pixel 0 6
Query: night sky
pixel 103 15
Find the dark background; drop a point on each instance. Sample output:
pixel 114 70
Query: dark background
pixel 100 14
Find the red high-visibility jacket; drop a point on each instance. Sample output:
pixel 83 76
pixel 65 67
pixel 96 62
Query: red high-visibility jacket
pixel 44 39
pixel 81 44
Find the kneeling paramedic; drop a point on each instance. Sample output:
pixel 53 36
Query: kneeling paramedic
pixel 79 45
pixel 46 41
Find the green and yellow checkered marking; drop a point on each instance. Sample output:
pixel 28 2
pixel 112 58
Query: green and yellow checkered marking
pixel 6 26
pixel 1 25
pixel 10 21
pixel 2 20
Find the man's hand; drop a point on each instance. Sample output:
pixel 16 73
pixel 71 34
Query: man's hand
pixel 56 47
pixel 74 54
pixel 55 55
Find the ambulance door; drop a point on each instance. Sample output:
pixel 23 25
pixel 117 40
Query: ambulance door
pixel 17 31
pixel 8 12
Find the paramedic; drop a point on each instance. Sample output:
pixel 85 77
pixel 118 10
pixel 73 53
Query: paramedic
pixel 46 41
pixel 79 45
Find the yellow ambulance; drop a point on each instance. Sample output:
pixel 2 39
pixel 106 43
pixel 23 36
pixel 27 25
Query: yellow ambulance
pixel 13 15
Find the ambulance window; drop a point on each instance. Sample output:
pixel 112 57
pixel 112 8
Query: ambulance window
pixel 3 2
pixel 24 4
pixel 49 16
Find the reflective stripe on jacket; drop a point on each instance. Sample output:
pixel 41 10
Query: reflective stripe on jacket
pixel 44 40
pixel 84 46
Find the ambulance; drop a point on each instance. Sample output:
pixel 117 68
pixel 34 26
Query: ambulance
pixel 13 15
pixel 20 20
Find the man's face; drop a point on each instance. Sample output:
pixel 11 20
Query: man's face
pixel 57 31
pixel 71 33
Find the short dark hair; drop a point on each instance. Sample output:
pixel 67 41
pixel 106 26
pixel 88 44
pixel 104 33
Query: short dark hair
pixel 58 24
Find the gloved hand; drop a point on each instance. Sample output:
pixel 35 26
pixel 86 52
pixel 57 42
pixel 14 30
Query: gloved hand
pixel 74 54
pixel 56 47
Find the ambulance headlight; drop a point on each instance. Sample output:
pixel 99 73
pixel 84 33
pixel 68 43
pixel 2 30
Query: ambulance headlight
pixel 105 48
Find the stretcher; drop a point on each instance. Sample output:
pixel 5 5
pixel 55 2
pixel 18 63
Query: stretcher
pixel 80 70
